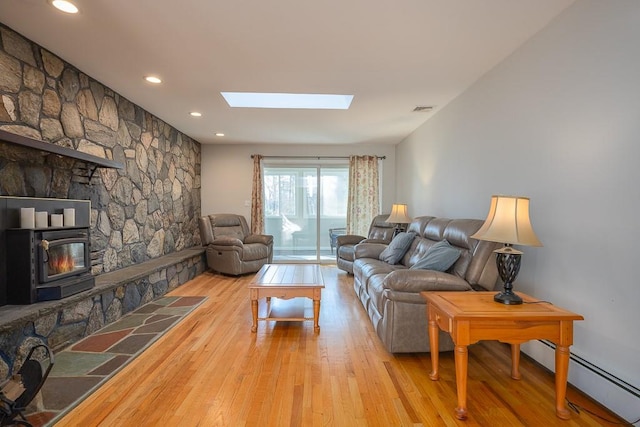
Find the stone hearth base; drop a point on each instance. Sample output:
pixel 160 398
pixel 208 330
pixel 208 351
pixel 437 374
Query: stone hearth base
pixel 63 322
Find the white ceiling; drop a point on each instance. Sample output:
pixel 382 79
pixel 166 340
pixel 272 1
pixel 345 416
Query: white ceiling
pixel 391 55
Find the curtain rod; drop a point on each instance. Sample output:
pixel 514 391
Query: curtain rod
pixel 313 157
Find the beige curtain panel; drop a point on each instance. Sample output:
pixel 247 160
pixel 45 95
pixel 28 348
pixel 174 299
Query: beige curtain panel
pixel 257 203
pixel 363 203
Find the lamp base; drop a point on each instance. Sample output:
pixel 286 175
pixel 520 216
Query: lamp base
pixel 508 298
pixel 400 228
pixel 508 263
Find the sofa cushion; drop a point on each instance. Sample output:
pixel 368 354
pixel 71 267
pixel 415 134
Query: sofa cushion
pixel 397 248
pixel 439 257
pixel 370 266
pixel 255 251
pixel 232 231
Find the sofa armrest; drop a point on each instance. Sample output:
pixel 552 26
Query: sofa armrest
pixel 265 239
pixel 349 239
pixel 368 250
pixel 407 280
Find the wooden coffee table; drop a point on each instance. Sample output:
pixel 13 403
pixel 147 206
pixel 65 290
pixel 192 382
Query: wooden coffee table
pixel 286 281
pixel 470 317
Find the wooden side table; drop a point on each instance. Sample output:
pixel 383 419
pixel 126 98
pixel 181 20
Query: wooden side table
pixel 470 317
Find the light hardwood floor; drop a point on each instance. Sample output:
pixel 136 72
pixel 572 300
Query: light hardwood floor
pixel 210 370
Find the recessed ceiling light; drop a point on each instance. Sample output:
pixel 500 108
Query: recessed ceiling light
pixel 153 79
pixel 196 114
pixel 219 134
pixel 65 6
pixel 287 100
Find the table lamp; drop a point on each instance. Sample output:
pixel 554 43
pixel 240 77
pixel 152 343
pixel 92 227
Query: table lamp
pixel 399 217
pixel 508 222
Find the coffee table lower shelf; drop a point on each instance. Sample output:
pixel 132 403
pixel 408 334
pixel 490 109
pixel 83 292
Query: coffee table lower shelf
pixel 293 310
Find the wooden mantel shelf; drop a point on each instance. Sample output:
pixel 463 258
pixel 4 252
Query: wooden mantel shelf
pixel 95 161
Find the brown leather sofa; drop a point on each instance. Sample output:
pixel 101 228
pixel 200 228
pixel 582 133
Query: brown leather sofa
pixel 380 231
pixel 231 248
pixel 390 293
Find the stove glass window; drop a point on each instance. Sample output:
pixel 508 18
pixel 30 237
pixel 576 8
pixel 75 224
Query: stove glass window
pixel 66 258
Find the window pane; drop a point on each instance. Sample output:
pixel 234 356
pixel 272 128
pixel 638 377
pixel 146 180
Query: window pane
pixel 279 193
pixel 310 194
pixel 271 195
pixel 335 190
pixel 288 195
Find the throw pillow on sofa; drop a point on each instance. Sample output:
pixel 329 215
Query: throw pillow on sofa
pixel 439 257
pixel 399 246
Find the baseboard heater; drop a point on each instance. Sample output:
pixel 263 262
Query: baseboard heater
pixel 618 382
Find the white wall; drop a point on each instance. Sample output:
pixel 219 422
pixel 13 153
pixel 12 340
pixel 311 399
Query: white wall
pixel 558 121
pixel 227 171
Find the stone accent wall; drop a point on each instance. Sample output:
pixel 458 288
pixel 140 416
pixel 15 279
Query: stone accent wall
pixel 141 212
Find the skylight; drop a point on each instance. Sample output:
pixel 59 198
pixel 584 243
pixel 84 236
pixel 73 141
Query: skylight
pixel 287 100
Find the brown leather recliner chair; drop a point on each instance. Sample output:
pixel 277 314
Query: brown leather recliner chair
pixel 380 231
pixel 231 248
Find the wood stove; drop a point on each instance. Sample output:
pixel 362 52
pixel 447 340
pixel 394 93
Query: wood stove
pixel 47 264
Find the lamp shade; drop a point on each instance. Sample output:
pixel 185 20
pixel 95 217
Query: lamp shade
pixel 399 215
pixel 508 222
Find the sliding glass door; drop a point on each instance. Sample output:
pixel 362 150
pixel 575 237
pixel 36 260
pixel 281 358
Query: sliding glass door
pixel 303 205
